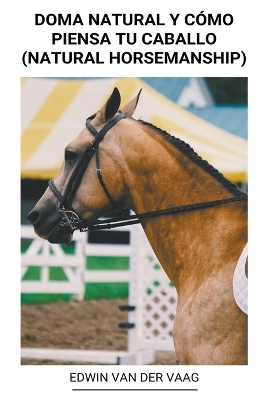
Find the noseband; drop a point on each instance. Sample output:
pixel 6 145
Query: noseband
pixel 70 217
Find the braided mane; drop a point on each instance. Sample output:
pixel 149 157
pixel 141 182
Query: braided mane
pixel 189 152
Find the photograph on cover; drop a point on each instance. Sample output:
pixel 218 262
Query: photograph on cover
pixel 134 198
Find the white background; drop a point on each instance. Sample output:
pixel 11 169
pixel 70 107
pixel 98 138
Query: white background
pixel 18 33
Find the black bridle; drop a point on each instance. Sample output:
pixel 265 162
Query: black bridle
pixel 71 218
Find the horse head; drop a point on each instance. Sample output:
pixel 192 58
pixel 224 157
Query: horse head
pixel 82 190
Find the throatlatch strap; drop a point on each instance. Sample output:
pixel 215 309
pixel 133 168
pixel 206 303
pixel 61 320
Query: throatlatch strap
pixel 100 178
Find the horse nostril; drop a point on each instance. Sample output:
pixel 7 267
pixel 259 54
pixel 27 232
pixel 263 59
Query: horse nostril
pixel 32 217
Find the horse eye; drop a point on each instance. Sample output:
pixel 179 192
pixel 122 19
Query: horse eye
pixel 70 156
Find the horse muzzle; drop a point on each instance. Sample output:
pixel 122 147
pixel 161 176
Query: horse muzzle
pixel 54 229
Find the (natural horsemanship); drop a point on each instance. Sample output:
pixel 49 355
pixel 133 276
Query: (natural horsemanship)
pixel 194 218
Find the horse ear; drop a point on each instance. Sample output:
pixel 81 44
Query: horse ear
pixel 112 105
pixel 108 111
pixel 129 108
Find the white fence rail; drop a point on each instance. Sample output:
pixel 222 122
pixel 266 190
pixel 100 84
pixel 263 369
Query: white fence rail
pixel 46 255
pixel 151 295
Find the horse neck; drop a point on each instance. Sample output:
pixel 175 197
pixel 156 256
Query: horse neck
pixel 160 177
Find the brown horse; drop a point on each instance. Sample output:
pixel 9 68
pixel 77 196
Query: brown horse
pixel 145 169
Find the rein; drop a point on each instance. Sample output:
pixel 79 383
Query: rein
pixel 71 218
pixel 134 219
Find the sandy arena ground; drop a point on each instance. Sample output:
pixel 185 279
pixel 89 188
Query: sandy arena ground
pixel 78 325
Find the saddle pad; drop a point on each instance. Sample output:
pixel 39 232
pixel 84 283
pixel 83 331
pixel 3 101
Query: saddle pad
pixel 240 282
